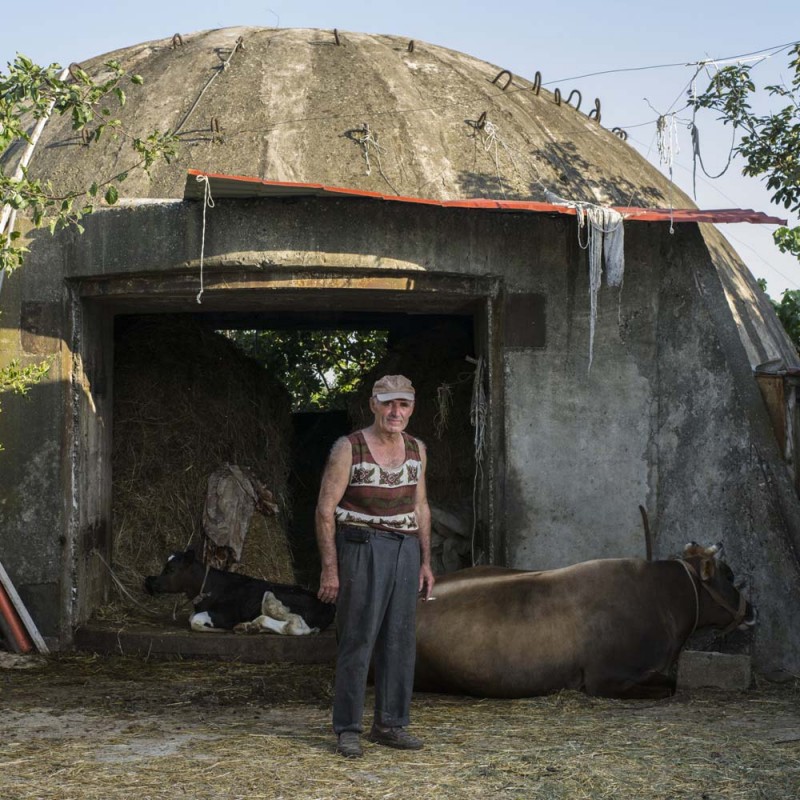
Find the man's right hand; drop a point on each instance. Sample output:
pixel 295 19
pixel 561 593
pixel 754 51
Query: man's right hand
pixel 328 585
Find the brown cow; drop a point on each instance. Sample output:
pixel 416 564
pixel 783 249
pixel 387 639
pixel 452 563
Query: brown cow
pixel 608 627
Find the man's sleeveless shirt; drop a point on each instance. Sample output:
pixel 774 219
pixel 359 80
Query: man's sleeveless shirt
pixel 377 497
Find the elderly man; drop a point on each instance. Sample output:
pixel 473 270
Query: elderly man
pixel 373 531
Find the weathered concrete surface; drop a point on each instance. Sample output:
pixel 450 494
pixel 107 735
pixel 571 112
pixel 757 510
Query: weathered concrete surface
pixel 288 99
pixel 717 670
pixel 668 417
pixel 759 329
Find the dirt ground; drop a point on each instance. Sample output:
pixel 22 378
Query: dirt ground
pixel 90 727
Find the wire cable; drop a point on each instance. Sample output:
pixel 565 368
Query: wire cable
pixel 771 50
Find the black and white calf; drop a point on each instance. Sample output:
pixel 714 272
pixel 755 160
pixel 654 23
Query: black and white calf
pixel 230 601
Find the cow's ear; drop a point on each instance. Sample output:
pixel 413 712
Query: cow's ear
pixel 708 568
pixel 692 549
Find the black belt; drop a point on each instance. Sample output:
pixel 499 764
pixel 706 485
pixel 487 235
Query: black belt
pixel 375 531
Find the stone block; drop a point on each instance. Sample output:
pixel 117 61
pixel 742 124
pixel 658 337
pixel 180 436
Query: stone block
pixel 698 669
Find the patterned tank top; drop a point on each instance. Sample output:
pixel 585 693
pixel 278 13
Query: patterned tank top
pixel 377 497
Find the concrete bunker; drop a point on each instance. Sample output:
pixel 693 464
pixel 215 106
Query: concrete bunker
pixel 170 410
pixel 669 417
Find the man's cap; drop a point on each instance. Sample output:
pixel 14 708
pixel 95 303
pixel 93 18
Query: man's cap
pixel 393 387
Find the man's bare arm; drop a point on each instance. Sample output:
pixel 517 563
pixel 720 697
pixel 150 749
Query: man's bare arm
pixel 333 485
pixel 423 512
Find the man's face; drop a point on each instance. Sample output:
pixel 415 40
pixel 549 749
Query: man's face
pixel 391 416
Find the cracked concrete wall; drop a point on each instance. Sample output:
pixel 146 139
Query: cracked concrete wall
pixel 668 417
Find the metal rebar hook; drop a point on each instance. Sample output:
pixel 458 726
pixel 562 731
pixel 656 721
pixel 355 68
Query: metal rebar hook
pixel 75 69
pixel 411 46
pixel 481 123
pixel 537 82
pixel 500 75
pixel 620 133
pixel 595 112
pixel 177 41
pixel 557 96
pixel 580 99
pixel 336 37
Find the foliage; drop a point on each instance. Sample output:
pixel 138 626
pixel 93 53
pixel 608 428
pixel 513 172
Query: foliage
pixel 17 379
pixel 788 311
pixel 319 368
pixel 27 93
pixel 770 143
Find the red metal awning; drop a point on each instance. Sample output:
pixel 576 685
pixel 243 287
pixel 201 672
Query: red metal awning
pixel 237 186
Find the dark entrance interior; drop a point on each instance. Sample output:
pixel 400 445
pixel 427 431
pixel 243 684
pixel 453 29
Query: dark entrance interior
pixel 185 399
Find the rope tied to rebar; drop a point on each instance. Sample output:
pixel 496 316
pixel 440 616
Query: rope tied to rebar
pixel 208 202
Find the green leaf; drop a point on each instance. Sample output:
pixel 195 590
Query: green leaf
pixel 137 79
pixel 112 195
pixel 93 189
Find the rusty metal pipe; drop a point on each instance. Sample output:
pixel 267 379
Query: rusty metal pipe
pixel 19 636
pixel 5 630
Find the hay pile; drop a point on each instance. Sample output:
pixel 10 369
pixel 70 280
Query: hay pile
pixel 81 728
pixel 185 402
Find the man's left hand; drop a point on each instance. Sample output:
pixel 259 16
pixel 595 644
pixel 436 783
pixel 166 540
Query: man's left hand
pixel 426 581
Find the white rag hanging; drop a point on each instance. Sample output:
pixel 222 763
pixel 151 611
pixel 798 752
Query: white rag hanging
pixel 605 236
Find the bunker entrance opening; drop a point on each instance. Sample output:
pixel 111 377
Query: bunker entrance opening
pixel 270 392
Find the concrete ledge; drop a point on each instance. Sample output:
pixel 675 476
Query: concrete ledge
pixel 157 641
pixel 717 670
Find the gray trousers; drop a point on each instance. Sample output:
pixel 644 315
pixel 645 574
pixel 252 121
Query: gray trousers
pixel 375 616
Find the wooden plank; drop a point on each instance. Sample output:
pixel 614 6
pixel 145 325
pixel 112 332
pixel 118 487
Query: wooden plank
pixel 24 616
pixel 152 640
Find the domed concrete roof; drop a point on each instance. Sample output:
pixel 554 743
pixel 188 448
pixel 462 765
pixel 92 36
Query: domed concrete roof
pixel 372 112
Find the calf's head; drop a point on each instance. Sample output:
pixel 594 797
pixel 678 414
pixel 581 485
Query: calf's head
pixel 721 602
pixel 182 573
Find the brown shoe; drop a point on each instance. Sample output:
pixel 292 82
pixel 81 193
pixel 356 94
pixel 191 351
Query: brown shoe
pixel 398 738
pixel 348 745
